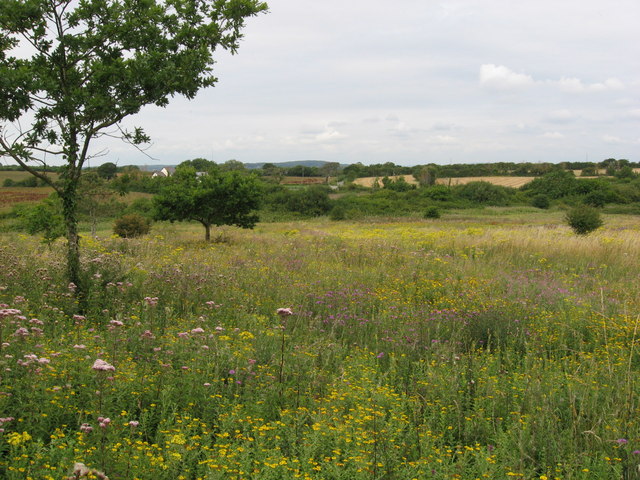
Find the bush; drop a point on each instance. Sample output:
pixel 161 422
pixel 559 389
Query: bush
pixel 132 225
pixel 541 201
pixel 597 198
pixel 583 220
pixel 483 193
pixel 337 213
pixel 432 212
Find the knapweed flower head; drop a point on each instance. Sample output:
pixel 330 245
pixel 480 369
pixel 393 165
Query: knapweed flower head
pixel 102 366
pixel 284 312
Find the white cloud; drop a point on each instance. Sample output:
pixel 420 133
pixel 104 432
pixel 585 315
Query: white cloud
pixel 561 116
pixel 611 139
pixel 553 135
pixel 499 77
pixel 329 135
pixel 575 85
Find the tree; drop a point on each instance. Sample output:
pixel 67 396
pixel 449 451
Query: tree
pixel 232 164
pixel 217 198
pixel 583 219
pixel 91 64
pixel 44 217
pixel 107 170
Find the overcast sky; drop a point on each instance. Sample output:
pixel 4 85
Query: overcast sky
pixel 414 82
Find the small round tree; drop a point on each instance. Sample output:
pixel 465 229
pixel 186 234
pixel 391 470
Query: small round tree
pixel 584 219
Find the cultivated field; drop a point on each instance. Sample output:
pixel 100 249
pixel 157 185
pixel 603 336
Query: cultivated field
pixel 495 345
pixel 514 182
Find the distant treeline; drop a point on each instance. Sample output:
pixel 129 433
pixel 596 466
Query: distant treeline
pixel 610 166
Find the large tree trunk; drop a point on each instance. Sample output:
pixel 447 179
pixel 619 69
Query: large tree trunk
pixel 207 231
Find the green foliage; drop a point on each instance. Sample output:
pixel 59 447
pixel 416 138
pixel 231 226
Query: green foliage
pixel 200 164
pixel 432 212
pixel 338 212
pixel 107 170
pixel 398 185
pixel 483 193
pixel 596 198
pixel 583 220
pixel 217 198
pixel 555 184
pixel 312 201
pixel 44 217
pixel 131 225
pixel 142 206
pixel 541 201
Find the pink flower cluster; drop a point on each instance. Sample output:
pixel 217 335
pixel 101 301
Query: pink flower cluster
pixel 151 301
pixel 103 422
pixel 284 312
pixel 102 366
pixel 4 420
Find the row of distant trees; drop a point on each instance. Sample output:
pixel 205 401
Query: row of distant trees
pixel 423 173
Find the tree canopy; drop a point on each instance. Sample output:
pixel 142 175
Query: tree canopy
pixel 71 71
pixel 216 198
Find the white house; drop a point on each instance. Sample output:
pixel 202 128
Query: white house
pixel 165 172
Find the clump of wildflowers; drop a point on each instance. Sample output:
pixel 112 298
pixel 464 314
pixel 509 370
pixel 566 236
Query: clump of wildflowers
pixel 101 366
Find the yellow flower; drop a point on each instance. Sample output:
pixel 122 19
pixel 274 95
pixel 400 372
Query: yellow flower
pixel 16 438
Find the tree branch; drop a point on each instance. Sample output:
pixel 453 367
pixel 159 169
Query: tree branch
pixel 8 150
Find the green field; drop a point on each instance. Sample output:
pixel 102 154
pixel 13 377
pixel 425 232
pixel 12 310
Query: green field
pixel 487 344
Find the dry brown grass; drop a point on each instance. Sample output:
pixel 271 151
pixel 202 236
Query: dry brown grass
pixel 513 182
pixel 370 181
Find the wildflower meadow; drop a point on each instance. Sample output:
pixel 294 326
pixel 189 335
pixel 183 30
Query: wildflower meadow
pixel 480 345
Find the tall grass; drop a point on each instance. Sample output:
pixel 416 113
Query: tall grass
pixel 417 349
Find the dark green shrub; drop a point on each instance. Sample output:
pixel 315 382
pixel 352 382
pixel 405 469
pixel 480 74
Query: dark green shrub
pixel 584 219
pixel 432 212
pixel 597 198
pixel 483 193
pixel 132 225
pixel 541 201
pixel 338 213
pixel 555 184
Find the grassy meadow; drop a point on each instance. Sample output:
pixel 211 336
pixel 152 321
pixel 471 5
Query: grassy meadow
pixel 492 344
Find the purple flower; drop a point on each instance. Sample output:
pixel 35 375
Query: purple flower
pixel 380 355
